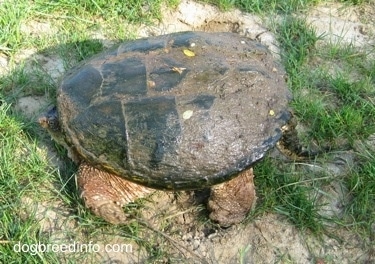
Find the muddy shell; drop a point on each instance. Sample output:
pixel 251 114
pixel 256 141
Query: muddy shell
pixel 180 111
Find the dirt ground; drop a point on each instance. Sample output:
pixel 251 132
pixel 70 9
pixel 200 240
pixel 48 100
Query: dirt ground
pixel 267 239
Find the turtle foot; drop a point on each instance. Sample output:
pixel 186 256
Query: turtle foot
pixel 106 194
pixel 230 201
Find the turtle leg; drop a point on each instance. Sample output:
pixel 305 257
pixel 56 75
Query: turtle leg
pixel 105 193
pixel 230 201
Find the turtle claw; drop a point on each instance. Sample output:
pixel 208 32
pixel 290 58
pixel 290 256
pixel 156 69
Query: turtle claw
pixel 111 212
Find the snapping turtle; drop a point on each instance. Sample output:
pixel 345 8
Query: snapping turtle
pixel 182 111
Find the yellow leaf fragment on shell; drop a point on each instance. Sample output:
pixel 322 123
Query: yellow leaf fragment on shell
pixel 151 84
pixel 178 69
pixel 189 53
pixel 271 112
pixel 187 114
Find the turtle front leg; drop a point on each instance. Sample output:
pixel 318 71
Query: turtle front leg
pixel 230 201
pixel 106 194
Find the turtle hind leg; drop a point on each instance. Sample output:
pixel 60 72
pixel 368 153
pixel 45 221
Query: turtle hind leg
pixel 106 194
pixel 230 201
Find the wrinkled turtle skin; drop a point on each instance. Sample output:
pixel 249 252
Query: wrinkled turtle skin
pixel 148 112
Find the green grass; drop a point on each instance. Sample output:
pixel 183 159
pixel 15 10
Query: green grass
pixel 273 6
pixel 338 111
pixel 17 182
pixel 297 42
pixel 362 185
pixel 11 16
pixel 287 192
pixel 334 100
pixel 133 11
pixel 335 106
pixel 266 6
pixel 76 20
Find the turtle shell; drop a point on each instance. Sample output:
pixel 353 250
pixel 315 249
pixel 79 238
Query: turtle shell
pixel 180 111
